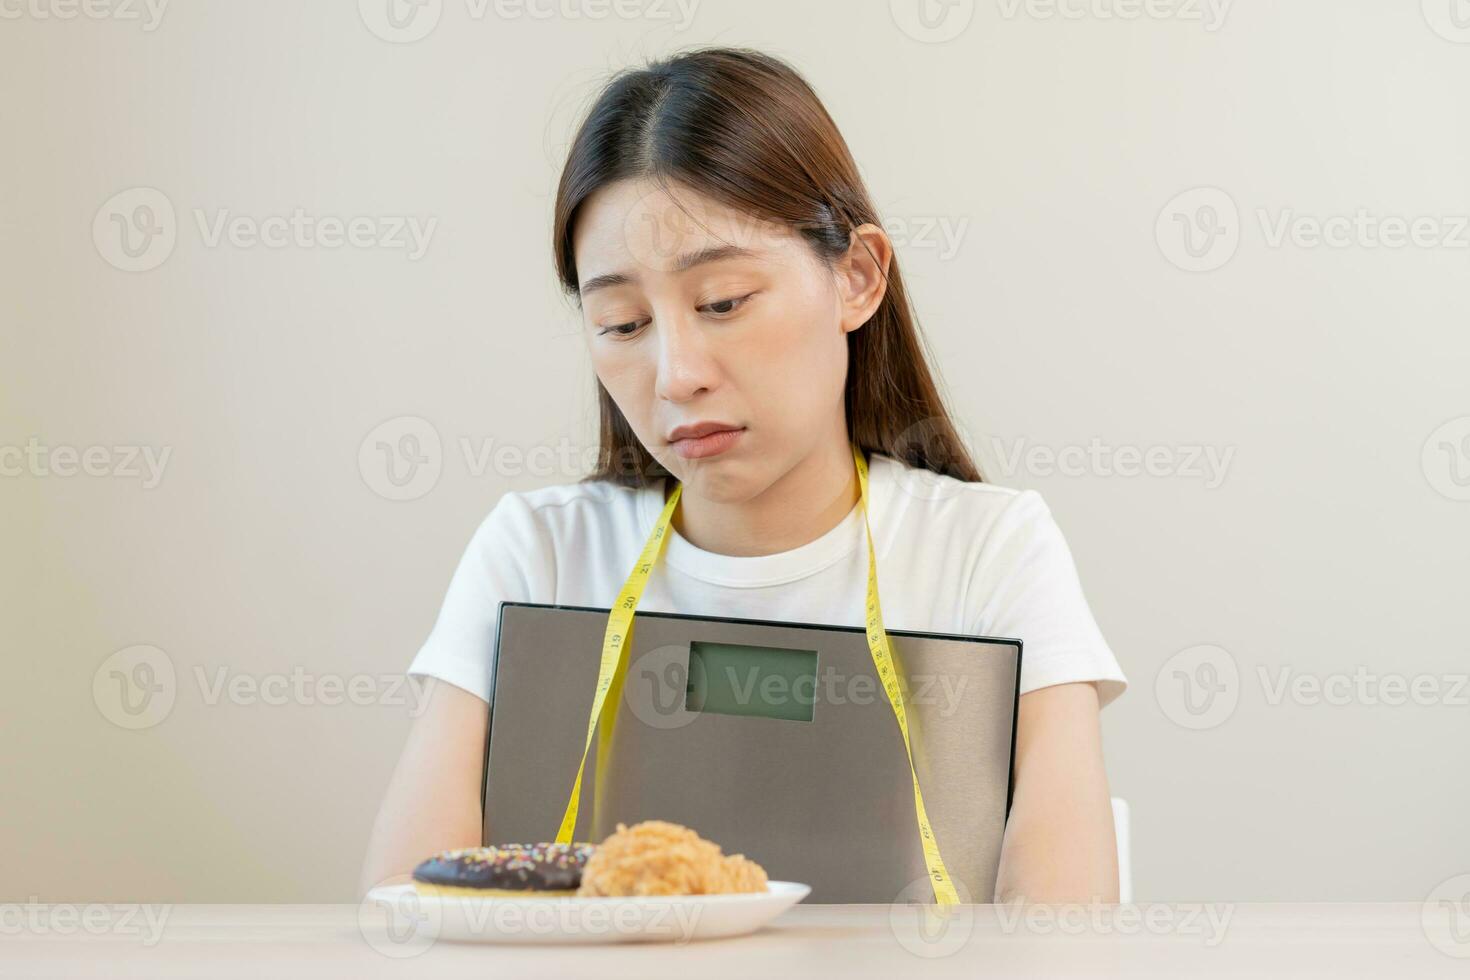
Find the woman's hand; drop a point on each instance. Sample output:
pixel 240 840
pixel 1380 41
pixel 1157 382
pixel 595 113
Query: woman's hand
pixel 433 799
pixel 1059 842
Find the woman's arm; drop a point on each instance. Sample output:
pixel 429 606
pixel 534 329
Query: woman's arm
pixel 1059 844
pixel 433 799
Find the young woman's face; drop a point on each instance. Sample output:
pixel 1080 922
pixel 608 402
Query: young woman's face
pixel 716 316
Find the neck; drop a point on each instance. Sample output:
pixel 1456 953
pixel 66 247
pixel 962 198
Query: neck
pixel 805 503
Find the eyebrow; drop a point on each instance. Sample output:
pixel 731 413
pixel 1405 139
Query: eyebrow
pixel 688 260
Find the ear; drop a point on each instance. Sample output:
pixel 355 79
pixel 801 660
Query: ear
pixel 862 275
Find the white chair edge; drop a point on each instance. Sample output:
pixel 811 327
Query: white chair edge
pixel 1122 829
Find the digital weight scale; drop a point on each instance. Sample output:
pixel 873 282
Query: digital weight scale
pixel 772 739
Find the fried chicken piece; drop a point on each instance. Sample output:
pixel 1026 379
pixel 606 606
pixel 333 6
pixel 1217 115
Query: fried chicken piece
pixel 743 875
pixel 657 857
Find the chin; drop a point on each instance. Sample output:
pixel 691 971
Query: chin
pixel 719 480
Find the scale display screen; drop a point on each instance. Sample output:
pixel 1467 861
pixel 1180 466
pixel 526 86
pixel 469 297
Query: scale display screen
pixel 751 681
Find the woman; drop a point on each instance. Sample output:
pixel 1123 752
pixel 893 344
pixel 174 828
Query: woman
pixel 747 323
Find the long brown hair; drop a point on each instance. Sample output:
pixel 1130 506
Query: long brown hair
pixel 744 129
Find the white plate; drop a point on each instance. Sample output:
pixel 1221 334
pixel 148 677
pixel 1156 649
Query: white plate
pixel 423 919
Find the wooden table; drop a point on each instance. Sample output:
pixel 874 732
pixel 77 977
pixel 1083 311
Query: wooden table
pixel 1180 940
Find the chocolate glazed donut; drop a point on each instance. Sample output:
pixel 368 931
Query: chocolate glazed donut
pixel 526 870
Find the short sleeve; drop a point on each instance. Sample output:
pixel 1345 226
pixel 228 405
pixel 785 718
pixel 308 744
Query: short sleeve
pixel 1025 586
pixel 495 568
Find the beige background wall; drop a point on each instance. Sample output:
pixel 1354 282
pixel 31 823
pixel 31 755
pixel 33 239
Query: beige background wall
pixel 1030 166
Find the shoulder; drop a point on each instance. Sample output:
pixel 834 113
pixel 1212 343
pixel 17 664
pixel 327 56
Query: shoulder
pixel 590 494
pixel 563 509
pixel 1019 578
pixel 941 501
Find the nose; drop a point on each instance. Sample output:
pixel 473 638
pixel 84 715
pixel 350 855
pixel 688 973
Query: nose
pixel 686 366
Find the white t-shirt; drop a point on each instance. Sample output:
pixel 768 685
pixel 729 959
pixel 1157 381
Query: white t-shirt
pixel 953 557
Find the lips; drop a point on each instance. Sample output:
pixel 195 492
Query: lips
pixel 704 439
pixel 699 429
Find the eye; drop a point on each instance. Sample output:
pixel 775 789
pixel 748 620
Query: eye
pixel 717 308
pixel 620 329
pixel 724 307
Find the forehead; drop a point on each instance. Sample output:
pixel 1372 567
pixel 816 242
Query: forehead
pixel 637 227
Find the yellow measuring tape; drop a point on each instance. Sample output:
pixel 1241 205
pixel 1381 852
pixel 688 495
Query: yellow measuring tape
pixel 612 669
